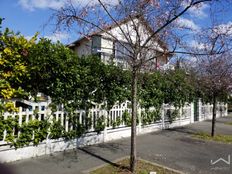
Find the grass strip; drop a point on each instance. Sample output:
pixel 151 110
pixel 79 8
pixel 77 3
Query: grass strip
pixel 217 138
pixel 143 167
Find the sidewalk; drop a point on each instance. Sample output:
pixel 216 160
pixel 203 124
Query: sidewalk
pixel 174 148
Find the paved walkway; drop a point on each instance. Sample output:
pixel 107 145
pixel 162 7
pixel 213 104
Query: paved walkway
pixel 174 148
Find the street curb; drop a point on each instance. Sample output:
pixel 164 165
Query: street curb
pixel 119 159
pixel 103 165
pixel 159 165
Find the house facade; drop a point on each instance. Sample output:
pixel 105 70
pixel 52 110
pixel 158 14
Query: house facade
pixel 114 44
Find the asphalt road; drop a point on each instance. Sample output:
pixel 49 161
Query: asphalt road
pixel 174 148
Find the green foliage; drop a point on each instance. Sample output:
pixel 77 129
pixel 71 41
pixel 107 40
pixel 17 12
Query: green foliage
pixel 152 90
pixel 2 128
pixel 34 131
pixel 111 84
pixel 14 52
pixel 172 114
pixel 217 138
pixel 148 117
pixel 116 123
pixel 13 63
pixel 41 131
pixel 77 128
pixel 56 130
pixel 88 122
pixel 9 125
pixel 178 88
pixel 27 68
pixel 115 85
pixel 172 87
pixel 228 123
pixel 100 124
pixel 143 167
pixel 126 117
pixel 54 70
pixel 76 132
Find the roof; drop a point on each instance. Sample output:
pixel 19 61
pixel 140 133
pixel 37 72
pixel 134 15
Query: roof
pixel 113 25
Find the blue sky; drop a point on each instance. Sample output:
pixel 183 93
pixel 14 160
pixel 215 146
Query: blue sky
pixel 29 20
pixel 30 16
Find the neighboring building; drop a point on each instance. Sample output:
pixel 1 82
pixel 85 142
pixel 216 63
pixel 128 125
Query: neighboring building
pixel 109 49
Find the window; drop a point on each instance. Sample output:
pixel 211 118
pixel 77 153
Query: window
pixel 42 108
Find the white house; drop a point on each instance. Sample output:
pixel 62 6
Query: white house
pixel 112 43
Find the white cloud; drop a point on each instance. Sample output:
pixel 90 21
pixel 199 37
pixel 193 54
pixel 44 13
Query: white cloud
pixel 28 37
pixel 56 4
pixel 197 45
pixel 41 4
pixel 225 29
pixel 57 37
pixel 187 23
pixel 198 11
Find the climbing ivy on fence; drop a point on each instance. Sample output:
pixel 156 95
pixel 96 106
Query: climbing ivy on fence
pixel 35 131
pixel 56 130
pixel 100 124
pixel 172 114
pixel 117 122
pixel 148 117
pixel 9 125
pixel 17 135
pixel 126 116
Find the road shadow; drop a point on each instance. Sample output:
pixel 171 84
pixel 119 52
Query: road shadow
pixel 183 130
pixel 99 157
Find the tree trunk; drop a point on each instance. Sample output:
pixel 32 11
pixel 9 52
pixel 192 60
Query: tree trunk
pixel 214 116
pixel 133 121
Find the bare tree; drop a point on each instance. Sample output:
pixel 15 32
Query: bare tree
pixel 151 29
pixel 214 71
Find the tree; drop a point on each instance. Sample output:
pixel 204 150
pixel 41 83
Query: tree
pixel 114 85
pixel 152 92
pixel 171 87
pixel 179 89
pixel 14 51
pixel 161 38
pixel 54 71
pixel 214 71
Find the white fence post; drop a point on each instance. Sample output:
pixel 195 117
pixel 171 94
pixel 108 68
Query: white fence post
pixel 200 110
pixel 192 113
pixel 162 116
pixel 226 109
pixel 180 114
pixel 105 115
pixel 139 119
pixel 20 118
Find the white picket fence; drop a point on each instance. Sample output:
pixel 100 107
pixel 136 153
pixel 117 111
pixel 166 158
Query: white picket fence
pixel 206 110
pixel 184 116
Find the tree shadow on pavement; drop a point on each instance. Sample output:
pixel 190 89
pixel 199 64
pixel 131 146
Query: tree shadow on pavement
pixel 100 158
pixel 184 130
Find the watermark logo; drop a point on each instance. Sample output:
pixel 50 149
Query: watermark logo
pixel 226 161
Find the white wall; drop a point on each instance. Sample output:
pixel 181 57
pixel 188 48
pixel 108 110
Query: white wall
pixel 84 48
pixel 106 41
